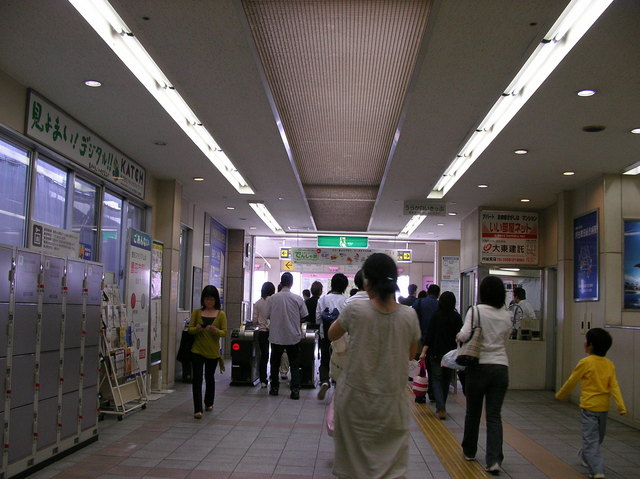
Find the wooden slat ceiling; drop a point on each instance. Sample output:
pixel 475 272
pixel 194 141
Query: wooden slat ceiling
pixel 339 73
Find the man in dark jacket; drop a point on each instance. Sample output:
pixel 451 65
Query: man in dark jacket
pixel 425 308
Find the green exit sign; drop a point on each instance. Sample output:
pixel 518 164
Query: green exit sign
pixel 343 241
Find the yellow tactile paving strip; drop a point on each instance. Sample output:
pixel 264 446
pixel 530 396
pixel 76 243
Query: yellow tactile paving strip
pixel 445 445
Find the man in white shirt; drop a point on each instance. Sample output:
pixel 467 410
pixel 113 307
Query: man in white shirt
pixel 523 313
pixel 285 311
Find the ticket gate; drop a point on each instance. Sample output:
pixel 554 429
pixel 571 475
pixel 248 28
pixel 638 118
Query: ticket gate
pixel 307 360
pixel 245 353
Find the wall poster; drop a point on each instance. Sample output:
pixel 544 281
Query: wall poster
pixel 138 286
pixel 215 251
pixel 585 257
pixel 632 265
pixel 509 237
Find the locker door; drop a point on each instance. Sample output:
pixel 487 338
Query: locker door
pixel 53 270
pixel 24 328
pixel 51 319
pixel 6 259
pixel 27 272
pixel 75 280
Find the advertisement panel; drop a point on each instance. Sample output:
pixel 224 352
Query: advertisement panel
pixel 585 257
pixel 509 237
pixel 138 284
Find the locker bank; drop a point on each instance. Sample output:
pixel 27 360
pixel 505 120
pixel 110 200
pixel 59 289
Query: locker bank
pixel 148 149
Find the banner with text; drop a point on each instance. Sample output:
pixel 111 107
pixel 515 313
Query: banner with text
pixel 509 237
pixel 138 284
pixel 54 128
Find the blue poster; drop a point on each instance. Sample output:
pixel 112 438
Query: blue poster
pixel 632 265
pixel 217 249
pixel 585 257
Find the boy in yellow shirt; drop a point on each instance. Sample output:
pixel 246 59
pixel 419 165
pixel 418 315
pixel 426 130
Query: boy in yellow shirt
pixel 598 377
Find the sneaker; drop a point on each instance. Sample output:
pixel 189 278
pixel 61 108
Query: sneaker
pixel 263 385
pixel 421 400
pixel 442 415
pixel 324 387
pixel 209 408
pixel 469 458
pixel 295 395
pixel 273 392
pixel 494 469
pixel 198 415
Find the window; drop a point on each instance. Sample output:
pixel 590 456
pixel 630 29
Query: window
pixel 14 170
pixel 110 233
pixel 84 217
pixel 50 195
pixel 135 217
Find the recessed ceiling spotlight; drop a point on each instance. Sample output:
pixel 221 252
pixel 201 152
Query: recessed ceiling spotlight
pixel 525 200
pixel 93 83
pixel 230 207
pixel 252 227
pixel 430 232
pixel 160 143
pixel 587 92
pixel 198 178
pixel 451 213
pixel 483 186
pixel 521 151
pixel 568 173
pixel 440 224
pixel 636 131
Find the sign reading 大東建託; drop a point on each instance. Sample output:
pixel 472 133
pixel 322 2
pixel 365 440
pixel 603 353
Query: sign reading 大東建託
pixel 54 128
pixel 509 237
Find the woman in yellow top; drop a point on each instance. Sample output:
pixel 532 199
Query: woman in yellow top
pixel 208 324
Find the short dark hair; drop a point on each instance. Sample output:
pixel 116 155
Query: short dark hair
pixel 286 280
pixel 306 293
pixel 358 280
pixel 599 340
pixel 519 292
pixel 422 294
pixel 412 289
pixel 433 290
pixel 447 301
pixel 339 283
pixel 353 291
pixel 210 291
pixel 268 289
pixel 381 274
pixel 492 292
pixel 316 288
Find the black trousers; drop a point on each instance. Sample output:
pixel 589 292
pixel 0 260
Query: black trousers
pixel 201 363
pixel 293 353
pixel 325 360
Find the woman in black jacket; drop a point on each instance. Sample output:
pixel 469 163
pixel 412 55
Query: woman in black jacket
pixel 439 339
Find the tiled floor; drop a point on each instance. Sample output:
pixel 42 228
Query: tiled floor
pixel 252 435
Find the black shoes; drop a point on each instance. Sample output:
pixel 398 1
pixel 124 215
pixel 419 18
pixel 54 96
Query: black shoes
pixel 295 395
pixel 273 392
pixel 421 400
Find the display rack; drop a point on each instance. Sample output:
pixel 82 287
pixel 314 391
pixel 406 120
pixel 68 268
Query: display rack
pixel 122 385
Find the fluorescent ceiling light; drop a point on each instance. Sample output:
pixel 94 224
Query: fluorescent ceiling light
pixel 411 225
pixel 93 83
pixel 264 214
pixel 635 131
pixel 112 29
pixel 633 169
pixel 572 24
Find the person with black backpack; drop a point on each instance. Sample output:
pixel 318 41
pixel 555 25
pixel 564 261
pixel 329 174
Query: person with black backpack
pixel 327 311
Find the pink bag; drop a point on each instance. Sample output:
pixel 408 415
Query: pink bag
pixel 330 416
pixel 420 382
